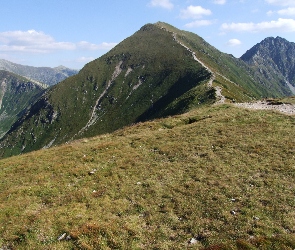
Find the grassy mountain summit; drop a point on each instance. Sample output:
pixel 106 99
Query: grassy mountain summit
pixel 157 72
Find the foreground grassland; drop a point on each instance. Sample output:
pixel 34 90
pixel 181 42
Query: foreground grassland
pixel 218 178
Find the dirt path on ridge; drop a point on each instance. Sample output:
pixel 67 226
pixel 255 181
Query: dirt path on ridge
pixel 219 96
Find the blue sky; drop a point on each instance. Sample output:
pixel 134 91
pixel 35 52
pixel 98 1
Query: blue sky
pixel 74 32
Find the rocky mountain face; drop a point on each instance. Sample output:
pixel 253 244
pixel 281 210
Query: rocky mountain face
pixel 157 72
pixel 42 75
pixel 274 59
pixel 16 94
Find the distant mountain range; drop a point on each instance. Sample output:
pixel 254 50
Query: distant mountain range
pixel 158 71
pixel 42 75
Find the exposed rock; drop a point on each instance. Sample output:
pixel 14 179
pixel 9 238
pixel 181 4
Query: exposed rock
pixel 62 237
pixel 193 241
pixel 233 212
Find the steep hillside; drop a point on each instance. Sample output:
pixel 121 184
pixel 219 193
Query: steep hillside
pixel 16 94
pixel 217 177
pixel 43 75
pixel 274 59
pixel 158 71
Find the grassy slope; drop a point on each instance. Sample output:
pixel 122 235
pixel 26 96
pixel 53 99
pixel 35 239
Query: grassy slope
pixel 158 184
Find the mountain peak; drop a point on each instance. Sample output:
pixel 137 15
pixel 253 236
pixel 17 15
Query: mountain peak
pixel 275 58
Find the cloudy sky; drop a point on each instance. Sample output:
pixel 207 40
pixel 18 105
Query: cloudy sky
pixel 74 32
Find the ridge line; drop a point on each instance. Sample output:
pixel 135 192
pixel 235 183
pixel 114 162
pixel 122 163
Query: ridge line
pixel 218 89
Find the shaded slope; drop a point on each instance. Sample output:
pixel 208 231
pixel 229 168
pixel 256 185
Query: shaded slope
pixel 274 59
pixel 16 94
pixel 158 185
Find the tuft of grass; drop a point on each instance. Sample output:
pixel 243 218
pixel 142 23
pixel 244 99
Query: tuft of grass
pixel 220 175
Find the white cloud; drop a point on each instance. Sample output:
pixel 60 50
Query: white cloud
pixel 233 42
pixel 166 4
pixel 284 12
pixel 37 42
pixel 282 25
pixel 281 2
pixel 194 12
pixel 221 2
pixel 287 12
pixel 199 23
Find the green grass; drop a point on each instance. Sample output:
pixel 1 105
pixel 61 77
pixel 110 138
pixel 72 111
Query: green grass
pixel 156 185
